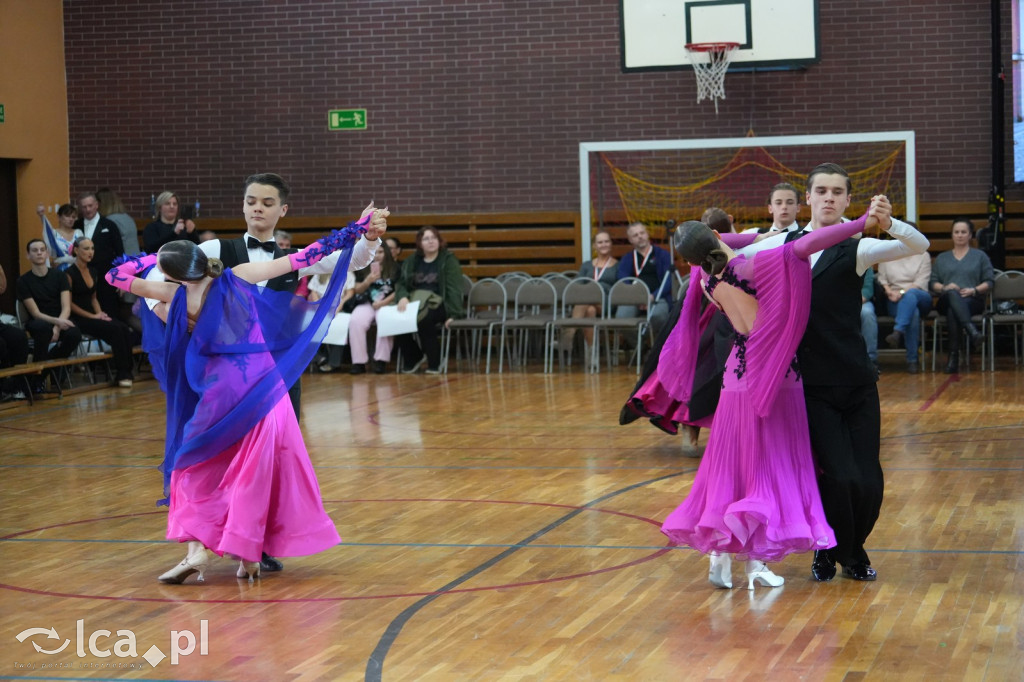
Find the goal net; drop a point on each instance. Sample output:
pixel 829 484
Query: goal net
pixel 654 182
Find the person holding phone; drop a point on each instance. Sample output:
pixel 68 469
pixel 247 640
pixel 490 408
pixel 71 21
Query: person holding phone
pixel 174 222
pixel 379 291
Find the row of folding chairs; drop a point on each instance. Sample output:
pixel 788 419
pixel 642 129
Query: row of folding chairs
pixel 520 307
pixel 1007 286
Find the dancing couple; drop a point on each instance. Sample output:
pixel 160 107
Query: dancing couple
pixel 239 477
pixel 792 385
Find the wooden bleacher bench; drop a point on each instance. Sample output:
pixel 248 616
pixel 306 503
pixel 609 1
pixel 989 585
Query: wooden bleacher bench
pixel 30 369
pixel 486 244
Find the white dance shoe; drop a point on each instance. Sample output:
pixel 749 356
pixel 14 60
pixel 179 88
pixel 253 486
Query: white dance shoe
pixel 720 574
pixel 757 571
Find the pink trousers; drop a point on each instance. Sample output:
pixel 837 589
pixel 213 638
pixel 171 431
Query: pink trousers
pixel 362 317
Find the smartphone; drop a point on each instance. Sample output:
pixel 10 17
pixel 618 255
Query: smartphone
pixel 185 213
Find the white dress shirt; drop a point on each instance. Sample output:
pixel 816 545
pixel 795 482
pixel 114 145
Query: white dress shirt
pixel 89 226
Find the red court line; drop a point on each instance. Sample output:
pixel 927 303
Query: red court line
pixel 938 393
pixel 650 557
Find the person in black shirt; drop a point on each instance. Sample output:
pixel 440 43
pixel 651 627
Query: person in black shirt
pixel 46 295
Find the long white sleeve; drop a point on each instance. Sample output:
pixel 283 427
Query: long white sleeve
pixel 906 241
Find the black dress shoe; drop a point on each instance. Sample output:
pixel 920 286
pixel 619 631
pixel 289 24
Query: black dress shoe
pixel 823 568
pixel 380 367
pixel 912 368
pixel 860 572
pixel 358 369
pixel 270 564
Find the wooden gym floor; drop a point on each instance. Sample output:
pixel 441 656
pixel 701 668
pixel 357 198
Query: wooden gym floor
pixel 507 528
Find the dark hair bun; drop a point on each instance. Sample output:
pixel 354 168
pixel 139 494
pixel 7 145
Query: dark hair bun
pixel 715 262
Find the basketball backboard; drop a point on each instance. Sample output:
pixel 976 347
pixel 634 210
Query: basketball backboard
pixel 772 34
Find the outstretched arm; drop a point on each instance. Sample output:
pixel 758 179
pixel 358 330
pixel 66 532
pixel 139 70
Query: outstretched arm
pixel 126 278
pixel 906 240
pixel 363 250
pixel 312 254
pixel 824 237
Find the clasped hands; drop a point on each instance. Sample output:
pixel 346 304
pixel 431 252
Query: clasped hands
pixel 378 224
pixel 879 213
pixel 965 292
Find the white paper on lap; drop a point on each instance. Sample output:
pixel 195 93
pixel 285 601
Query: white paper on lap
pixel 337 334
pixel 390 322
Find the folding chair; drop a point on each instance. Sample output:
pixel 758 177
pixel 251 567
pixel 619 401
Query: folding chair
pixel 580 291
pixel 486 308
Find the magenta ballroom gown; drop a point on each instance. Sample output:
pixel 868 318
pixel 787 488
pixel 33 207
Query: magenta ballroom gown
pixel 236 469
pixel 755 493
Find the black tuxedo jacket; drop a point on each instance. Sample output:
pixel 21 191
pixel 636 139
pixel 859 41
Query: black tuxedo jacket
pixel 234 251
pixel 832 351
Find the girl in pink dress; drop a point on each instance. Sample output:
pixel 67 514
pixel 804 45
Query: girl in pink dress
pixel 755 494
pixel 238 474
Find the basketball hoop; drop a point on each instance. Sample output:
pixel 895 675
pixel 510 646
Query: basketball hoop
pixel 710 62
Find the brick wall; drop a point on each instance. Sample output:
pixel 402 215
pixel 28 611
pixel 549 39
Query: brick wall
pixel 478 105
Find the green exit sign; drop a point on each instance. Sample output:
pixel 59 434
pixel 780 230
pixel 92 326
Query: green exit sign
pixel 1 113
pixel 346 119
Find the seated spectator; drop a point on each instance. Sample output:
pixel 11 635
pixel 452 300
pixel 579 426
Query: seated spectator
pixel 207 235
pixel 60 240
pixel 13 351
pixel 868 316
pixel 283 239
pixel 602 269
pixel 378 290
pixel 650 263
pixel 961 278
pixel 46 295
pixel 90 318
pixel 905 282
pixel 432 276
pixel 395 247
pixel 170 226
pixel 106 241
pixel 328 359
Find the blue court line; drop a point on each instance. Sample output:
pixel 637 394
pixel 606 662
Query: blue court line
pixel 515 545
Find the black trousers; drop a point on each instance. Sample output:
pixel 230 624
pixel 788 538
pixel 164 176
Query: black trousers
pixel 115 333
pixel 41 333
pixel 429 332
pixel 13 345
pixel 295 395
pixel 13 351
pixel 845 424
pixel 958 311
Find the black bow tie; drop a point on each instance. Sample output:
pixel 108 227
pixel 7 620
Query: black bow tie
pixel 253 243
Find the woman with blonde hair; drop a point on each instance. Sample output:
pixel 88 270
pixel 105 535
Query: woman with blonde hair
pixel 170 224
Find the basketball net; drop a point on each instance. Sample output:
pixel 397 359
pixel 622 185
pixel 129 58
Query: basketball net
pixel 710 62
